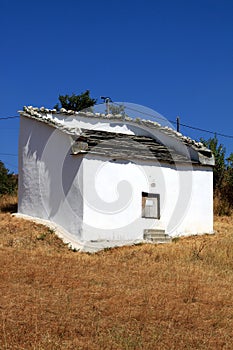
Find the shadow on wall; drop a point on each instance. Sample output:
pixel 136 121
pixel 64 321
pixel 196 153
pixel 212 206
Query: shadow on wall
pixel 51 149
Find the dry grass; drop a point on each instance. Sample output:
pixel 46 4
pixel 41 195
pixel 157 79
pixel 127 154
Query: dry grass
pixel 173 296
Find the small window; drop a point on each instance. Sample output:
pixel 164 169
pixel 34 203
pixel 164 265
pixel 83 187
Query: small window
pixel 150 205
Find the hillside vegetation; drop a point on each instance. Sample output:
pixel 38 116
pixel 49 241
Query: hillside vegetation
pixel 173 296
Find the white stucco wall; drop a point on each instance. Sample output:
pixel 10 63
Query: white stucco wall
pixel 113 199
pixel 49 178
pixel 100 199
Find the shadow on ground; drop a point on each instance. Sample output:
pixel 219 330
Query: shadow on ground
pixel 9 208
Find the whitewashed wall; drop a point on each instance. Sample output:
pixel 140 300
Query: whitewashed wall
pixel 49 178
pixel 113 203
pixel 98 199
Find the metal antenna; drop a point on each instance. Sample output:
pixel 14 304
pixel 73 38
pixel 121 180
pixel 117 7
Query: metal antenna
pixel 106 100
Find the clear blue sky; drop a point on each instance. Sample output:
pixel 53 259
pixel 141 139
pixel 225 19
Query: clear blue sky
pixel 174 56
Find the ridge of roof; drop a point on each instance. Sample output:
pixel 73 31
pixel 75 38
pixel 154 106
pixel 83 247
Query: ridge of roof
pixel 46 115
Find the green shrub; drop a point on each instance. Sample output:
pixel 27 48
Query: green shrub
pixel 8 181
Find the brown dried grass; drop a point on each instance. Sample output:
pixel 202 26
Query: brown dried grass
pixel 222 206
pixel 173 296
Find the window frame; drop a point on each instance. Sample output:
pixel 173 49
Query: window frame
pixel 148 196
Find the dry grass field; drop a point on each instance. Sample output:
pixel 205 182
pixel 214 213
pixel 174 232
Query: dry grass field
pixel 173 296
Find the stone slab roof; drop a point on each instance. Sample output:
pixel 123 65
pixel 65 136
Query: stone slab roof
pixel 128 147
pixel 51 117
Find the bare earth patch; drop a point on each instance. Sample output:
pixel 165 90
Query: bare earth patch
pixel 173 296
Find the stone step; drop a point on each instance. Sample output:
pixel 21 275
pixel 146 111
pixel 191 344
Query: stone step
pixel 156 235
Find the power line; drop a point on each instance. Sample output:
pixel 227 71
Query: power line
pixel 174 122
pixel 208 131
pixel 157 117
pixel 15 166
pixel 9 154
pixel 13 117
pixel 145 113
pixel 2 129
pixel 9 163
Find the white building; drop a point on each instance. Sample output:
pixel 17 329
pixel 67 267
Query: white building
pixel 109 178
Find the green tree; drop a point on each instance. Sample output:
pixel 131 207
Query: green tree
pixel 76 102
pixel 228 181
pixel 230 161
pixel 219 153
pixel 223 177
pixel 8 182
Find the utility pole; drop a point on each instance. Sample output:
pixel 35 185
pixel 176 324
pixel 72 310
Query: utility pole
pixel 178 124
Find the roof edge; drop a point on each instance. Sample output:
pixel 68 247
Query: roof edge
pixel 46 115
